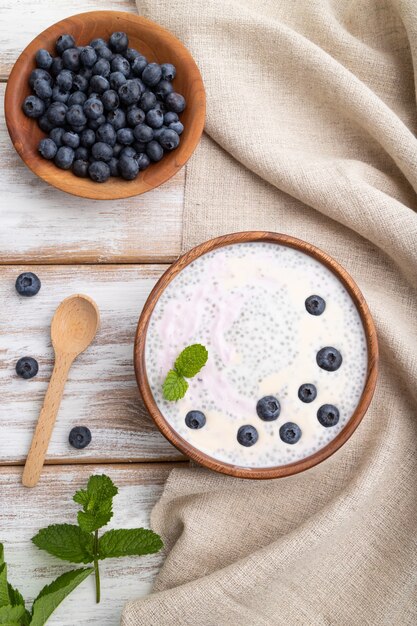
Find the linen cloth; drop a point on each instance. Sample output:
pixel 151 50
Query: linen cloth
pixel 311 124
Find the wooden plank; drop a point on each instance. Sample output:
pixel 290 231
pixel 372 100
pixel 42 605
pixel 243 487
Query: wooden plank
pixel 101 391
pixel 21 21
pixel 44 225
pixel 24 511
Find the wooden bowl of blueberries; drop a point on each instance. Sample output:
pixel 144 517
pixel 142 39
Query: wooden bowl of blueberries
pixel 105 105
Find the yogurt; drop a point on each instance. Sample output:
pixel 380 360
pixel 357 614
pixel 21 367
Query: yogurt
pixel 247 303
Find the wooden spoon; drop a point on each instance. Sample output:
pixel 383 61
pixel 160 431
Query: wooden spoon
pixel 73 328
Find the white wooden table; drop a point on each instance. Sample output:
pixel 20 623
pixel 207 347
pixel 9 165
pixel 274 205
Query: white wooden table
pixel 113 251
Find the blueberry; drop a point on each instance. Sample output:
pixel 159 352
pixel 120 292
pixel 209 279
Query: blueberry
pixel 169 139
pixel 47 148
pixel 110 100
pixel 114 166
pixel 57 66
pixel 101 68
pixel 80 167
pixel 143 133
pixel 56 136
pixel 98 43
pixel 268 408
pixel 33 106
pixel 64 157
pixel 78 97
pixel 170 118
pixel 140 84
pixel 154 118
pixel 158 132
pixel 328 415
pixel 80 82
pixel 168 71
pixel 127 151
pixel 175 102
pixel 290 433
pixel 307 392
pixel 129 92
pixel 118 42
pixel 79 437
pixel 102 151
pixel 56 113
pixel 27 367
pixel 104 52
pixel 139 146
pixel 116 80
pixel 152 74
pixel 128 167
pixel 125 136
pixel 117 148
pixel 106 134
pixel 44 124
pixel 60 96
pixel 177 127
pixel 75 115
pixel 135 116
pixel 27 284
pixel 329 359
pixel 42 88
pixel 64 80
pixel 143 161
pixel 247 436
pixel 81 154
pixel 87 138
pixel 154 151
pixel 163 88
pixel 120 64
pixel 64 42
pixel 315 305
pixel 99 171
pixel 147 101
pixel 94 124
pixel 98 84
pixel 86 72
pixel 43 59
pixel 195 419
pixel 78 129
pixel 88 56
pixel 93 108
pixel 131 54
pixel 138 65
pixel 39 74
pixel 71 59
pixel 71 139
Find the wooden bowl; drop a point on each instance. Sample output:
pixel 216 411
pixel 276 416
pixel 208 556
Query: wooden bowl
pixel 187 448
pixel 157 44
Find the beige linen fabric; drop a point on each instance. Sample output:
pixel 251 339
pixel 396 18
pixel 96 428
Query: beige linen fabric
pixel 311 127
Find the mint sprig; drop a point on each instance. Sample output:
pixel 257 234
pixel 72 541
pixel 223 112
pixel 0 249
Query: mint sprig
pixel 82 544
pixel 188 363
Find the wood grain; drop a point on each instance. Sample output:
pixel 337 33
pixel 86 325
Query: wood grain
pixel 157 44
pixel 21 21
pixel 183 445
pixel 23 512
pixel 101 391
pixel 40 224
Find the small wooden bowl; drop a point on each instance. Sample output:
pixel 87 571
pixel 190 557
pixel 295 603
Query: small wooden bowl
pixel 187 448
pixel 157 44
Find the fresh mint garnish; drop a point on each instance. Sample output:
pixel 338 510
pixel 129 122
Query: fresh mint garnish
pixel 82 544
pixel 188 363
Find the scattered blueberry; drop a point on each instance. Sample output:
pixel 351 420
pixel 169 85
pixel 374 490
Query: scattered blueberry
pixel 170 117
pixel 71 59
pixel 131 54
pixel 143 133
pixel 118 42
pixel 152 74
pixel 102 151
pixel 27 367
pixel 163 88
pixel 128 167
pixel 138 65
pixel 125 136
pixel 175 102
pixel 247 435
pixel 78 97
pixel 147 101
pixel 44 123
pixel 117 119
pixel 71 139
pixel 80 83
pixel 195 419
pixel 142 160
pixel 99 171
pixel 128 151
pixel 64 157
pixel 56 135
pixel 39 74
pixel 75 116
pixel 56 113
pixel 116 80
pixel 177 127
pixel 98 85
pixel 88 56
pixel 114 166
pixel 154 150
pixel 56 67
pixel 155 118
pixel 106 133
pixel 97 43
pixel 79 437
pixel 64 80
pixel 47 148
pixel 290 433
pixel 43 59
pixel 42 89
pixel 27 284
pixel 104 52
pixel 329 359
pixel 169 139
pixel 96 123
pixel 315 305
pixel 168 71
pixel 129 92
pixel 135 116
pixel 328 415
pixel 101 68
pixel 81 153
pixel 63 43
pixel 80 167
pixel 110 100
pixel 93 108
pixel 268 408
pixel 307 392
pixel 120 64
pixel 60 96
pixel 88 138
pixel 33 106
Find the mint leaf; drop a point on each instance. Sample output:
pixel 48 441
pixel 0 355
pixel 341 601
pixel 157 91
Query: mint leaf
pixel 97 502
pixel 52 595
pixel 128 542
pixel 4 591
pixel 16 598
pixel 67 542
pixel 11 614
pixel 191 360
pixel 174 386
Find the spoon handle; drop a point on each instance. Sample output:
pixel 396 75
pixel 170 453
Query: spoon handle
pixel 46 421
